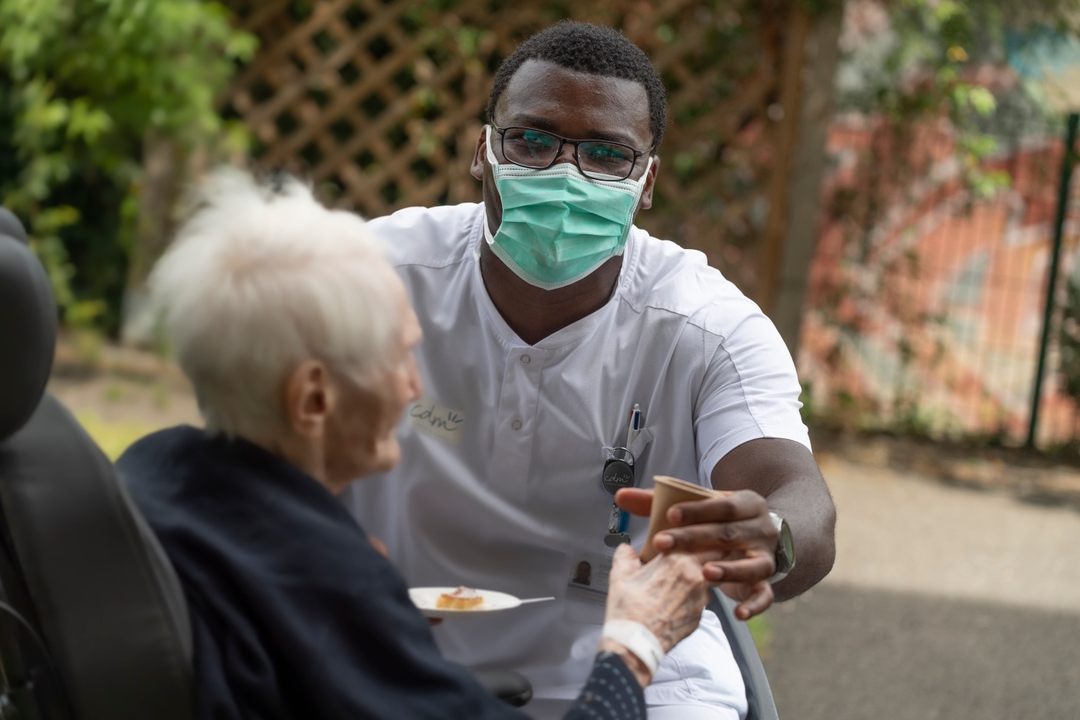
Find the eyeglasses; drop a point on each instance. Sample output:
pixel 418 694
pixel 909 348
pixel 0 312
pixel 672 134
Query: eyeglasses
pixel 596 159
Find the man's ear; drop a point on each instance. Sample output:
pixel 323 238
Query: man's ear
pixel 310 398
pixel 650 181
pixel 480 156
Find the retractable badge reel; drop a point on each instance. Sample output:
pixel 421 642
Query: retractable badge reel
pixel 619 474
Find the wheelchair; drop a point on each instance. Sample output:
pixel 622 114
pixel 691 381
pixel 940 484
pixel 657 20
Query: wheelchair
pixel 93 621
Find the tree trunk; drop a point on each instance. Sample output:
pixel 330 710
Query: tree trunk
pixel 785 112
pixel 794 197
pixel 158 192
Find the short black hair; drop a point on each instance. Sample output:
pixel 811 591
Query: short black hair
pixel 590 49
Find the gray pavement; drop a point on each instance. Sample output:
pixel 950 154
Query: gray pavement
pixel 848 653
pixel 944 603
pixel 900 531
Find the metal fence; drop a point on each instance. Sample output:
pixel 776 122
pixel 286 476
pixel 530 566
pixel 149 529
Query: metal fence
pixel 927 301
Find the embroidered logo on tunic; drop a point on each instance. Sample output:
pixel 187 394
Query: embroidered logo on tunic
pixel 438 421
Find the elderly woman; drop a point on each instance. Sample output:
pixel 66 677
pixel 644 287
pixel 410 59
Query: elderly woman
pixel 298 338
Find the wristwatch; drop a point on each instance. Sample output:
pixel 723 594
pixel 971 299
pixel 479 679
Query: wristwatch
pixel 785 548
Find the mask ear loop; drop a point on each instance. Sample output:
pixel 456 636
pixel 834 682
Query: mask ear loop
pixel 494 162
pixel 490 153
pixel 489 236
pixel 645 175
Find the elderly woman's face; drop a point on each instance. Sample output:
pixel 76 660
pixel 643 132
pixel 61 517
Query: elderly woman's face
pixel 362 432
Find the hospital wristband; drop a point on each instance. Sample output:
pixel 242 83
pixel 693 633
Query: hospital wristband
pixel 638 639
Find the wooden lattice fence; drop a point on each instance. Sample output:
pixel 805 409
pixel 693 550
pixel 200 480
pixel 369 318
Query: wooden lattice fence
pixel 381 102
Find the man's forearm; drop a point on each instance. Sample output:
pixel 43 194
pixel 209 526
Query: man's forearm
pixel 785 473
pixel 809 512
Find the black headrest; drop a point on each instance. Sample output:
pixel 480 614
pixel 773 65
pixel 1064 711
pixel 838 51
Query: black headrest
pixel 27 334
pixel 10 226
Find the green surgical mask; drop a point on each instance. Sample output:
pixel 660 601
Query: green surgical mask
pixel 558 226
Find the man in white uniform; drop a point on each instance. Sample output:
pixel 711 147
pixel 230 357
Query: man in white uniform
pixel 548 318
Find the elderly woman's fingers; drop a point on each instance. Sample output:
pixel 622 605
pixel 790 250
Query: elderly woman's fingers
pixel 690 576
pixel 666 595
pixel 625 562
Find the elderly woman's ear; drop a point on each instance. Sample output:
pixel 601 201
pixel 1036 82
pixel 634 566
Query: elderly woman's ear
pixel 310 398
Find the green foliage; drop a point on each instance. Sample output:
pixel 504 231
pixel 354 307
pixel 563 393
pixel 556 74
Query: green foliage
pixel 762 632
pixel 912 68
pixel 82 83
pixel 925 73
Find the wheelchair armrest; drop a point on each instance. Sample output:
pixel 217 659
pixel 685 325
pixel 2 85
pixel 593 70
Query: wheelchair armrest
pixel 758 693
pixel 510 687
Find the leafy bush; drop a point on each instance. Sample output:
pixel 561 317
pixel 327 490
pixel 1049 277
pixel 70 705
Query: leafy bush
pixel 82 84
pixel 929 81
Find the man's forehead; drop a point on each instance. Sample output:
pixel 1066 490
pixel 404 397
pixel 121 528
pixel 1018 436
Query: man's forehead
pixel 567 102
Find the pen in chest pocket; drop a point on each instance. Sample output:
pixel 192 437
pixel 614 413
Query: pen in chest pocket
pixel 635 426
pixel 619 472
pixel 632 433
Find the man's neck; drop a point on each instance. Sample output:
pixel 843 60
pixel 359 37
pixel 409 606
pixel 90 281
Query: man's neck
pixel 534 313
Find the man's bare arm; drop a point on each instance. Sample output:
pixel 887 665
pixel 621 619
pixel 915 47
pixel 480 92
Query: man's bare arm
pixel 734 536
pixel 785 473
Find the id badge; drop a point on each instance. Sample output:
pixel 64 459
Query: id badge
pixel 587 586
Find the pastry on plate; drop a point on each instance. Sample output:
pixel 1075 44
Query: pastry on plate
pixel 461 599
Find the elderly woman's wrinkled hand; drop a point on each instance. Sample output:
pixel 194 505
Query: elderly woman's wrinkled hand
pixel 667 595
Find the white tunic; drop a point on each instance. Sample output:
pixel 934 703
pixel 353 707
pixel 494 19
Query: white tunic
pixel 499 486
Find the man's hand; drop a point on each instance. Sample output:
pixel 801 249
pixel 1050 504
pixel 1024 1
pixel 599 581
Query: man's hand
pixel 732 535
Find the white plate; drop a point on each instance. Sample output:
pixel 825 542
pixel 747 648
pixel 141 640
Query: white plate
pixel 424 598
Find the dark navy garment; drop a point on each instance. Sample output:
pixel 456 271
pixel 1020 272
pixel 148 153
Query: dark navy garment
pixel 294 613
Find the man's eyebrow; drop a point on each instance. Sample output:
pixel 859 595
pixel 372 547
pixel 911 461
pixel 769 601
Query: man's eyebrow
pixel 534 121
pixel 541 123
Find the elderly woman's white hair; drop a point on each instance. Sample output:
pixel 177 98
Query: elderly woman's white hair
pixel 260 279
